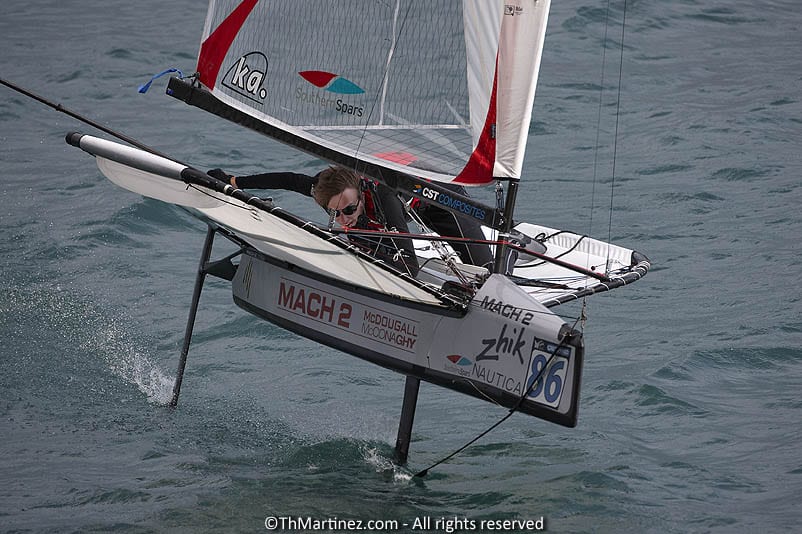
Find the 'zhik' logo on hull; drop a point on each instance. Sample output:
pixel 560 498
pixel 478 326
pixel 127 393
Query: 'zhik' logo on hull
pixel 331 82
pixel 247 76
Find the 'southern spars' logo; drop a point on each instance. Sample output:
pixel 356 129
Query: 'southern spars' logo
pixel 247 76
pixel 331 82
pixel 456 359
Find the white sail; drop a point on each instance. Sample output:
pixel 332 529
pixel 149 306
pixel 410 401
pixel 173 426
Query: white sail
pixel 440 90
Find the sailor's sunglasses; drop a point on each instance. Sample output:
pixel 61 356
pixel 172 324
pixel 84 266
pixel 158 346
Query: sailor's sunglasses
pixel 348 210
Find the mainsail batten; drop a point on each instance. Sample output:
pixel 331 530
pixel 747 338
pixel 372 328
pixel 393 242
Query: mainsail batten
pixel 409 86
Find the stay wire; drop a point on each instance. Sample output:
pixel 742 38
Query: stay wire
pixel 617 117
pixel 598 119
pixel 85 120
pixel 422 473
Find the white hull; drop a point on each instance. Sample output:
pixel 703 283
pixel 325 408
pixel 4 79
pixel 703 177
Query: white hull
pixel 493 351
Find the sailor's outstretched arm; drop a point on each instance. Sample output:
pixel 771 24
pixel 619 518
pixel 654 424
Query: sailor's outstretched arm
pixel 290 181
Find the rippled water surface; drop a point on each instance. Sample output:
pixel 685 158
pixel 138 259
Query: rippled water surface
pixel 690 415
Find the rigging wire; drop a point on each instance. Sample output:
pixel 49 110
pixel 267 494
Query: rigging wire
pixel 598 125
pixel 423 472
pixel 511 244
pixel 439 247
pixel 617 116
pixel 85 120
pixel 535 263
pixel 598 120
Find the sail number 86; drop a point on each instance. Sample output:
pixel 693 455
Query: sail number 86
pixel 550 384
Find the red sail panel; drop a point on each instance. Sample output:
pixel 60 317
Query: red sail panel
pixel 215 47
pixel 479 169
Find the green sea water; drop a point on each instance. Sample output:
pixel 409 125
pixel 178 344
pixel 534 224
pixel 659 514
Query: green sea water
pixel 690 409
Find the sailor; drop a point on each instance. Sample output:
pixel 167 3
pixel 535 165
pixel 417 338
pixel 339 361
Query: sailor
pixel 372 206
pixel 350 200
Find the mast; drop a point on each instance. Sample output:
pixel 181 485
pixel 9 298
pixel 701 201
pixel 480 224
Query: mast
pixel 507 225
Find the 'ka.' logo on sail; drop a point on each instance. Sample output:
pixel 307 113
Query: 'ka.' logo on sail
pixel 247 76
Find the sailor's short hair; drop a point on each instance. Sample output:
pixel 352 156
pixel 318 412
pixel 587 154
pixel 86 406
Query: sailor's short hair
pixel 333 181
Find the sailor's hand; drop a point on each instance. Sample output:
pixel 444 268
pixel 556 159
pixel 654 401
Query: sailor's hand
pixel 221 175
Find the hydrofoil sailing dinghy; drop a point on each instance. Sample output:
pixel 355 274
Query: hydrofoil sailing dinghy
pixel 413 94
